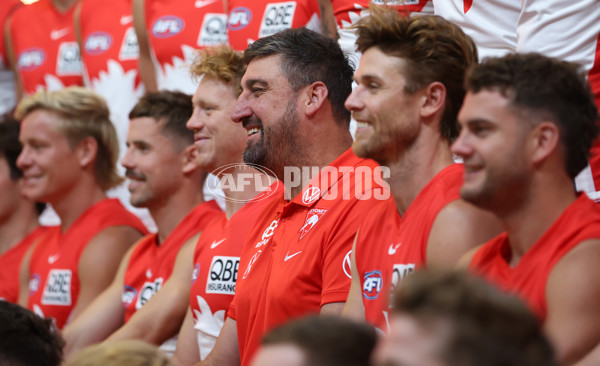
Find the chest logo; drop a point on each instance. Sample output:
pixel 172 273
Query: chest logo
pixel 311 195
pixel 312 218
pixel 373 282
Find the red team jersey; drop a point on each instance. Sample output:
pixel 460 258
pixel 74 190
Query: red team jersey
pixel 391 247
pixel 7 82
pixel 297 258
pixel 528 279
pixel 10 264
pixel 176 28
pixel 54 265
pixel 43 40
pixel 216 264
pixel 151 263
pixel 251 20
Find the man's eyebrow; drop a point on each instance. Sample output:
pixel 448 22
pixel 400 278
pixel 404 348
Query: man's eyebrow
pixel 251 82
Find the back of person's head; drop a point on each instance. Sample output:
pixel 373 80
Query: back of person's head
pixel 26 339
pixel 130 352
pixel 172 108
pixel 326 340
pixel 82 114
pixel 486 326
pixel 545 89
pixel 222 63
pixel 308 57
pixel 432 48
pixel 10 148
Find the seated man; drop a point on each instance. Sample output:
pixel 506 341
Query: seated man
pixel 528 122
pixel 69 160
pixel 164 177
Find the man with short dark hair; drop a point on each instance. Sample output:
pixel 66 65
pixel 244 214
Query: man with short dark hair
pixel 317 341
pixel 27 339
pixel 295 261
pixel 528 122
pixel 453 319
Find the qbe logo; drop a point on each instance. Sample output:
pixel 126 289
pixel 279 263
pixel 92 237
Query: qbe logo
pixel 277 17
pixel 97 43
pixel 372 285
pixel 239 18
pixel 128 295
pixel 148 290
pixel 167 26
pixel 213 31
pixel 69 59
pixel 57 290
pixel 222 275
pixel 31 59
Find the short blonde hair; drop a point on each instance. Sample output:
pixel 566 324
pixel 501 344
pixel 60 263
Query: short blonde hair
pixel 82 113
pixel 220 62
pixel 131 352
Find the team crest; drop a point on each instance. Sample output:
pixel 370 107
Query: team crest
pixel 312 218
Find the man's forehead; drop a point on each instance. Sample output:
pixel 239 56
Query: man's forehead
pixel 263 68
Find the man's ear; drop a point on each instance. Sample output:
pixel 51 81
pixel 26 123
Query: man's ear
pixel 433 99
pixel 316 94
pixel 543 140
pixel 190 159
pixel 86 151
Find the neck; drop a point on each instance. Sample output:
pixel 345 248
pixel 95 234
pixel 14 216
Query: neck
pixel 84 194
pixel 171 211
pixel 17 225
pixel 323 146
pixel 416 167
pixel 535 214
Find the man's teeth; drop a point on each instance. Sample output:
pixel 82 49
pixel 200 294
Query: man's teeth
pixel 362 124
pixel 252 131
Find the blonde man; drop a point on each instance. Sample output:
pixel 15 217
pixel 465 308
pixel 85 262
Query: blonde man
pixel 69 160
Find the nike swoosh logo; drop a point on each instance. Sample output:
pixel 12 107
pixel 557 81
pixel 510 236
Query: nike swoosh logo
pixel 392 248
pixel 59 33
pixel 126 19
pixel 288 256
pixel 216 243
pixel 203 3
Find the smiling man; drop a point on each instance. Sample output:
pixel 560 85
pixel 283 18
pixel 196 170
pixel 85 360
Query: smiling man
pixel 295 260
pixel 164 177
pixel 527 125
pixel 69 157
pixel 408 94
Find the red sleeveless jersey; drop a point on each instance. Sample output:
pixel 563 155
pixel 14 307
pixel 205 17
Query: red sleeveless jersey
pixel 176 28
pixel 390 248
pixel 44 45
pixel 54 265
pixel 251 20
pixel 151 264
pixel 10 264
pixel 579 222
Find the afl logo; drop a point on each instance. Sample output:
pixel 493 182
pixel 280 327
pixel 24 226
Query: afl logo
pixel 372 285
pixel 239 18
pixel 167 26
pixel 31 59
pixel 97 43
pixel 311 195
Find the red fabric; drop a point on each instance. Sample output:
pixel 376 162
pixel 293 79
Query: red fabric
pixel 45 48
pixel 107 34
pixel 348 11
pixel 5 10
pixel 579 222
pixel 298 257
pixel 54 266
pixel 391 247
pixel 216 265
pixel 151 264
pixel 251 20
pixel 10 264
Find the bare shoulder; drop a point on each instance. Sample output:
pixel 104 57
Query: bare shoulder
pixel 458 228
